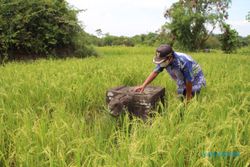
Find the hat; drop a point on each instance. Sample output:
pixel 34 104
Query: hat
pixel 162 53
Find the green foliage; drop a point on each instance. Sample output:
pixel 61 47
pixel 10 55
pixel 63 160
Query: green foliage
pixel 38 27
pixel 244 41
pixel 155 39
pixel 110 40
pixel 165 36
pixel 229 39
pixel 53 113
pixel 188 20
pixel 213 42
pixel 244 51
pixel 150 39
pixel 248 17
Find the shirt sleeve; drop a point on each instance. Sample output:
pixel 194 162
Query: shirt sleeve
pixel 158 68
pixel 188 72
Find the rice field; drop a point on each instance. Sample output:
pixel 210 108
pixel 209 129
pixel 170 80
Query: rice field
pixel 53 113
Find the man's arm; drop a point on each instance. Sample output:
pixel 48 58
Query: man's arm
pixel 189 77
pixel 149 79
pixel 189 90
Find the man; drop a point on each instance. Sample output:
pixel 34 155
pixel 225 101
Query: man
pixel 181 67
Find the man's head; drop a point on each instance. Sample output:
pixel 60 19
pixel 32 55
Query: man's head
pixel 163 55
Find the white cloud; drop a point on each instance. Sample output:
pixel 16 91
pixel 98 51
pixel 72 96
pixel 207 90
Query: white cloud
pixel 241 26
pixel 238 23
pixel 131 17
pixel 122 17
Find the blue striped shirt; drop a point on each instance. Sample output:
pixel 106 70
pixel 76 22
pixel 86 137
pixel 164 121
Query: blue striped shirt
pixel 182 69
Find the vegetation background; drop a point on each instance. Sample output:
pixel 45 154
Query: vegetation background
pixel 55 114
pixel 53 111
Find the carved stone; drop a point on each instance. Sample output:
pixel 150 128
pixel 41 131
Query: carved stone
pixel 138 104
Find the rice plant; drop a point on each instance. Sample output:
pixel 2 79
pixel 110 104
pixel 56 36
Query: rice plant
pixel 53 113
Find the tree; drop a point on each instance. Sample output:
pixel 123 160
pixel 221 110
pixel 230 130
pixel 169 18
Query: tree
pixel 165 36
pixel 248 17
pixel 244 41
pixel 189 20
pixel 213 42
pixel 229 39
pixel 99 33
pixel 40 27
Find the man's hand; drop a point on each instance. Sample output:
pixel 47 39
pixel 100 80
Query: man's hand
pixel 149 79
pixel 139 89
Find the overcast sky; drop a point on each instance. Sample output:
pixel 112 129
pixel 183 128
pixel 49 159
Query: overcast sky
pixel 131 17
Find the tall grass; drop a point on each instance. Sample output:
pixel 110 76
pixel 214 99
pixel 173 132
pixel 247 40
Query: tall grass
pixel 53 113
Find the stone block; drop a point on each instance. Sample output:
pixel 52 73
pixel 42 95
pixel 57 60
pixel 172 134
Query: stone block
pixel 124 98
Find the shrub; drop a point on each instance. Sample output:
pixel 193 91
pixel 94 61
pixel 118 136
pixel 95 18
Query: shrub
pixel 38 27
pixel 229 39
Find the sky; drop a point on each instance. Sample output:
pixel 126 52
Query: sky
pixel 133 17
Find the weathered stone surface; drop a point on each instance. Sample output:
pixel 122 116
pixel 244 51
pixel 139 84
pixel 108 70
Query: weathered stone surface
pixel 138 104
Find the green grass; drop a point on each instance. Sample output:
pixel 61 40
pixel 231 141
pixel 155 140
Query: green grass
pixel 53 113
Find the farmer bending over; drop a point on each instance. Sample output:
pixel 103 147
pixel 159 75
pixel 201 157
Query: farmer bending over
pixel 181 67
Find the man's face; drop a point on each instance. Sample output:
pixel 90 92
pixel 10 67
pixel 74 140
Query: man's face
pixel 167 61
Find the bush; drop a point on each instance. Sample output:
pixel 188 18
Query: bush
pixel 40 28
pixel 229 39
pixel 212 42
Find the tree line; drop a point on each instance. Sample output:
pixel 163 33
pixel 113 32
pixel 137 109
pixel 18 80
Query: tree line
pixel 214 41
pixel 190 25
pixel 41 28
